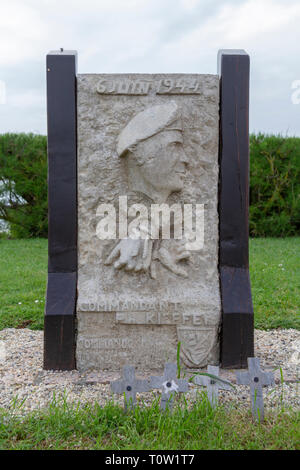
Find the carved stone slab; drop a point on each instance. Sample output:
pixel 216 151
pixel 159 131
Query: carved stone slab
pixel 169 384
pixel 212 384
pixel 146 139
pixel 256 379
pixel 129 385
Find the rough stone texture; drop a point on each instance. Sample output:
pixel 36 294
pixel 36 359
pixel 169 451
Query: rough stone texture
pixel 131 317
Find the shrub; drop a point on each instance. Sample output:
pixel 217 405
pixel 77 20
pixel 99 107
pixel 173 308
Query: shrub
pixel 274 186
pixel 23 184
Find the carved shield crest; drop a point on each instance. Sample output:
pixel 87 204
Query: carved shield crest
pixel 196 345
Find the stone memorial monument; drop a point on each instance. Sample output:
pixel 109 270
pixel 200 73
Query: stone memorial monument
pixel 148 217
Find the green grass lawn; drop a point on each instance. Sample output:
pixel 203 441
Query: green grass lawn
pixel 66 426
pixel 23 278
pixel 274 270
pixel 275 276
pixel 275 279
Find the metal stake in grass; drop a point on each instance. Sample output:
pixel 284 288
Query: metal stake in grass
pixel 169 384
pixel 255 378
pixel 129 385
pixel 213 384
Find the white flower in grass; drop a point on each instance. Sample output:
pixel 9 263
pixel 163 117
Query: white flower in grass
pixel 19 303
pixel 36 301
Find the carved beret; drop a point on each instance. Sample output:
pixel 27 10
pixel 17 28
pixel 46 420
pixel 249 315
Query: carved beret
pixel 146 124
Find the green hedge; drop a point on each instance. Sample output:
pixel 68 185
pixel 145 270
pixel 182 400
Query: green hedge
pixel 274 185
pixel 23 184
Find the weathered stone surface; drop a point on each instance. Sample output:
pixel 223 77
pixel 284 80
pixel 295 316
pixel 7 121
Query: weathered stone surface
pixel 138 298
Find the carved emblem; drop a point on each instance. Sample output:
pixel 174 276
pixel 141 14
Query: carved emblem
pixel 196 344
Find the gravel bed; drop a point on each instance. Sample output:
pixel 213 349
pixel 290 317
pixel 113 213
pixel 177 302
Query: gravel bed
pixel 25 386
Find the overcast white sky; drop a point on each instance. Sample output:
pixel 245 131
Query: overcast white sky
pixel 151 36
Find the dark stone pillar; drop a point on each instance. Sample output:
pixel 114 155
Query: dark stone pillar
pixel 237 343
pixel 59 332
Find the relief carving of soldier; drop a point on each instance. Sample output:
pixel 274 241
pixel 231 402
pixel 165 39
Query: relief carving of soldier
pixel 152 144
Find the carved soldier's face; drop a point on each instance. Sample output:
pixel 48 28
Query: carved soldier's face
pixel 161 161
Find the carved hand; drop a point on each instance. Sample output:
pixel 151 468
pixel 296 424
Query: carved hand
pixel 131 254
